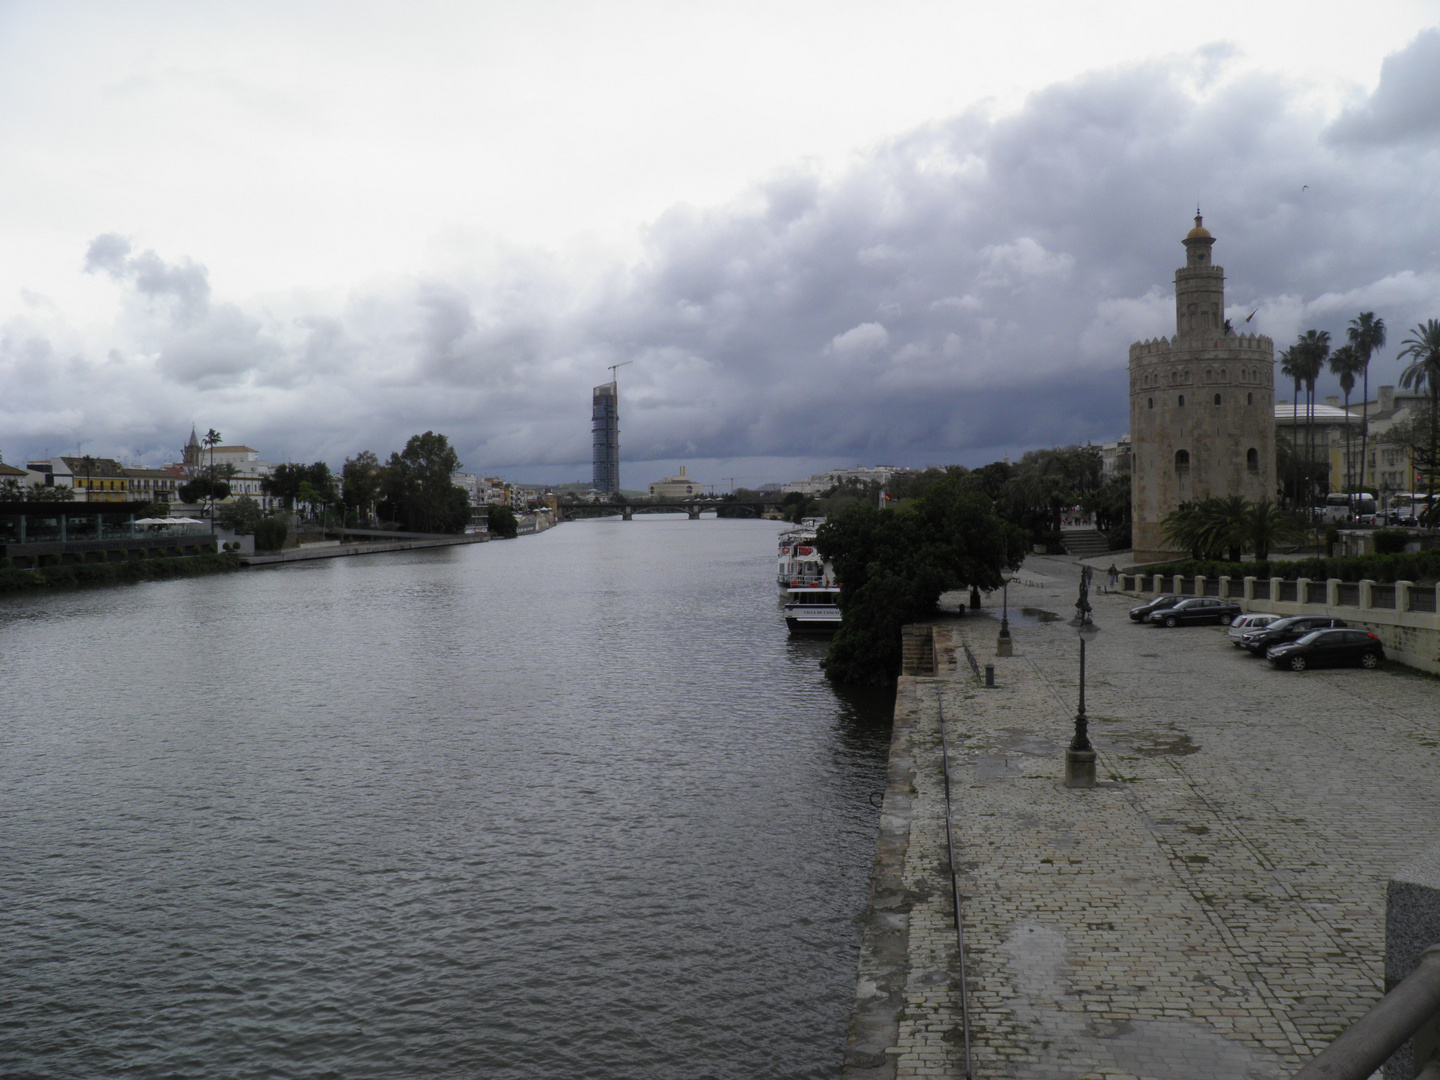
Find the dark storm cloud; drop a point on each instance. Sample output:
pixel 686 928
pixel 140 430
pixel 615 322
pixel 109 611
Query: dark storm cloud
pixel 963 289
pixel 1405 105
pixel 185 285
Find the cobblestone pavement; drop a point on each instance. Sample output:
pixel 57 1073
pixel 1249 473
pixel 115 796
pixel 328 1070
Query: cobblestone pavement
pixel 1215 907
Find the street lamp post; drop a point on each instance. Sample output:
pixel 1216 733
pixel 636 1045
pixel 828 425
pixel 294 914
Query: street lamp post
pixel 1004 646
pixel 1080 758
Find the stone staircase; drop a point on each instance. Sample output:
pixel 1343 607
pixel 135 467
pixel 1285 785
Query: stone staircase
pixel 917 650
pixel 1085 543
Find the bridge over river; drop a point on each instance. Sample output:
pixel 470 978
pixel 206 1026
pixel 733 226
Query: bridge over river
pixel 693 507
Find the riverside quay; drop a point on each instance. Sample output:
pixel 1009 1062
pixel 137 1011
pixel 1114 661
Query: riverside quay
pixel 1257 862
pixel 34 534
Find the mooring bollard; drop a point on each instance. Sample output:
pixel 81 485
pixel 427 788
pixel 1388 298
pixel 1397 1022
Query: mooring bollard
pixel 989 674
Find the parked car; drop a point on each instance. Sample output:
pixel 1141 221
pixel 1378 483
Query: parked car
pixel 1281 631
pixel 1328 648
pixel 1243 624
pixel 1141 613
pixel 1198 609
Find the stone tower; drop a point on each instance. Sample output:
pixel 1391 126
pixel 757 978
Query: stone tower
pixel 1202 406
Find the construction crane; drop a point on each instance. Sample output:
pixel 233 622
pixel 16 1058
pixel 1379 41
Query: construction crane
pixel 614 367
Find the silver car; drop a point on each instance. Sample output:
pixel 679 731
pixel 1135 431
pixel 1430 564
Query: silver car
pixel 1243 624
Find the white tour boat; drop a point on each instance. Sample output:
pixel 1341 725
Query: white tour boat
pixel 813 609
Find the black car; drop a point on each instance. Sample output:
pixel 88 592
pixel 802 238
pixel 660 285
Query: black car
pixel 1327 648
pixel 1141 613
pixel 1198 609
pixel 1286 630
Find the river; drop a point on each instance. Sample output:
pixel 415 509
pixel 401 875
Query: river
pixel 566 806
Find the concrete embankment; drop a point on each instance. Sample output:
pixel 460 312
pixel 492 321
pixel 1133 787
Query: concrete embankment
pixel 1215 906
pixel 334 549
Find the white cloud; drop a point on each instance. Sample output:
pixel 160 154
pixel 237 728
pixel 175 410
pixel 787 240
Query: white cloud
pixel 860 342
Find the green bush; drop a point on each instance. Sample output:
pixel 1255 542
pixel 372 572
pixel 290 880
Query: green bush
pixel 270 534
pixel 1390 541
pixel 1403 566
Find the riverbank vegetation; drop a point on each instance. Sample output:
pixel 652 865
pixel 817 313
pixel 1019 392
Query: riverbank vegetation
pixel 114 573
pixel 894 565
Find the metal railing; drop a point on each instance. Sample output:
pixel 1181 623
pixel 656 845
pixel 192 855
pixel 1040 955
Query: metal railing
pixel 1368 1043
pixel 1347 593
pixel 974 664
pixel 1382 596
pixel 1422 598
pixel 955 880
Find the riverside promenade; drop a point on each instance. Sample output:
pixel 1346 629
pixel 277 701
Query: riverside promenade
pixel 1214 907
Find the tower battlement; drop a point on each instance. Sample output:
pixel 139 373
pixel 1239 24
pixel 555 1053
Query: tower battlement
pixel 1226 346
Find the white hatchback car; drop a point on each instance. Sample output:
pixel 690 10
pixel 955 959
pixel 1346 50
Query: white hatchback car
pixel 1243 624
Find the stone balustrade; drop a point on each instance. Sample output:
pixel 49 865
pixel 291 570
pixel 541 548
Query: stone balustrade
pixel 1401 614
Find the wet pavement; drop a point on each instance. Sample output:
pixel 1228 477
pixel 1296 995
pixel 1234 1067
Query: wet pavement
pixel 1215 906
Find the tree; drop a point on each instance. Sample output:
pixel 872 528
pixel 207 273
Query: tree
pixel 1313 347
pixel 417 488
pixel 360 479
pixel 1292 366
pixel 203 487
pixel 1267 525
pixel 503 525
pixel 212 440
pixel 88 464
pixel 1367 334
pixel 893 566
pixel 241 517
pixel 1345 362
pixel 1423 372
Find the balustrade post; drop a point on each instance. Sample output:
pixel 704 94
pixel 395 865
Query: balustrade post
pixel 1402 595
pixel 1366 596
pixel 1332 592
pixel 1249 588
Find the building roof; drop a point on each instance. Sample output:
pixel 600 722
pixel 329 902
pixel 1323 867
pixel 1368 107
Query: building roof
pixel 1324 414
pixel 100 466
pixel 10 470
pixel 143 473
pixel 237 448
pixel 1199 232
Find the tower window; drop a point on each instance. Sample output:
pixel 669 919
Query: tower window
pixel 1152 403
pixel 1249 399
pixel 1182 463
pixel 1217 399
pixel 1252 460
pixel 1181 403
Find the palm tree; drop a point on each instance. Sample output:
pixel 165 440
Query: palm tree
pixel 1314 347
pixel 1423 349
pixel 1345 362
pixel 1367 334
pixel 88 464
pixel 212 439
pixel 1291 366
pixel 1268 525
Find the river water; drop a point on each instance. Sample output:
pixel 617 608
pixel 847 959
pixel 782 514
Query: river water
pixel 566 806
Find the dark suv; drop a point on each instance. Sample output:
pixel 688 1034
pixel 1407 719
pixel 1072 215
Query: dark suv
pixel 1141 613
pixel 1283 630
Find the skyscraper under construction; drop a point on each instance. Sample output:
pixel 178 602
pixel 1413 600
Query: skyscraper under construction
pixel 605 438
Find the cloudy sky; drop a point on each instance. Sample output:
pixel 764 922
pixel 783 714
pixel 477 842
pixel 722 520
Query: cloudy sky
pixel 831 233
